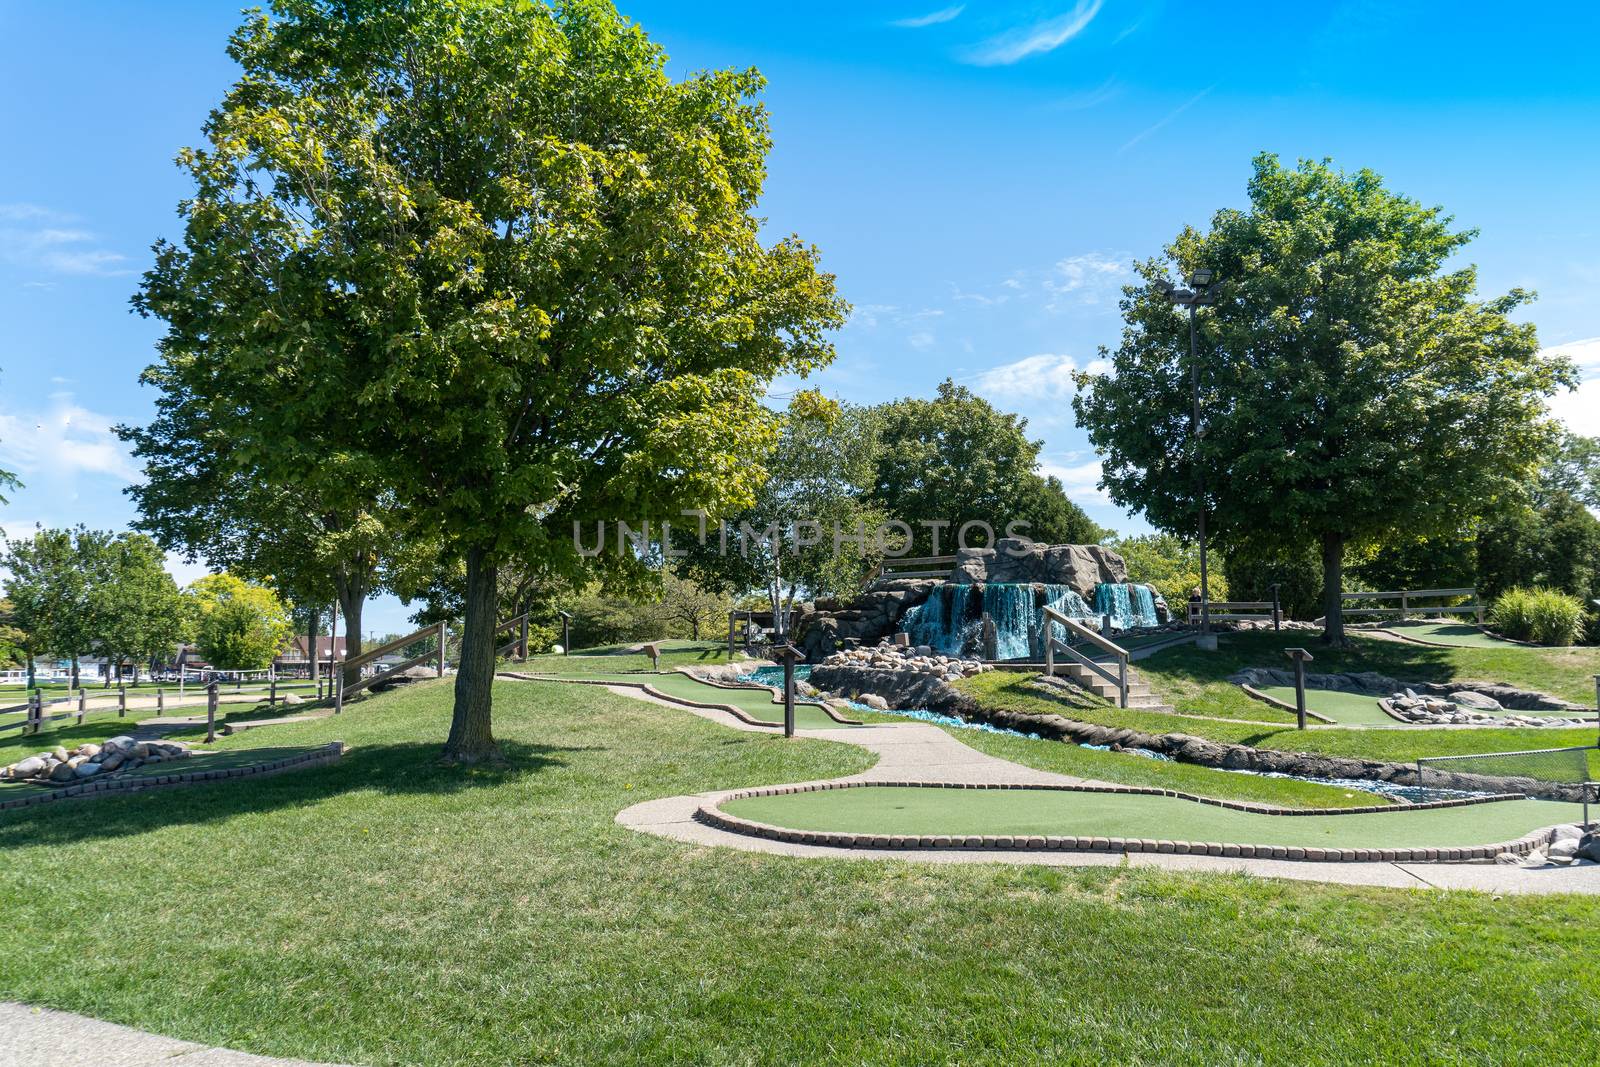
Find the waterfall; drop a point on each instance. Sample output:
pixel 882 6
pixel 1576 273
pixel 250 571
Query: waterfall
pixel 1128 605
pixel 950 621
pixel 940 621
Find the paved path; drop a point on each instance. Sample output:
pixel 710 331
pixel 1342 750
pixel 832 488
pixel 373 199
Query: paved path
pixel 910 752
pixel 40 1037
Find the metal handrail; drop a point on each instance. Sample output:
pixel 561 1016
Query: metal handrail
pixel 1073 626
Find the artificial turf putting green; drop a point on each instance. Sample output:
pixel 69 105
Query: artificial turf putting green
pixel 756 703
pixel 916 810
pixel 1455 634
pixel 1344 708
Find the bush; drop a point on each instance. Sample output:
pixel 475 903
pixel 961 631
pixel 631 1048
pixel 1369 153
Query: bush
pixel 1542 615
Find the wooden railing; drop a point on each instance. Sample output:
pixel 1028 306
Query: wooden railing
pixel 1238 611
pixel 1406 608
pixel 37 710
pixel 340 690
pixel 1078 629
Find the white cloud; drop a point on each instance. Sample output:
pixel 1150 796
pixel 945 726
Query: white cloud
pixel 1037 39
pixel 1086 278
pixel 932 18
pixel 38 238
pixel 1041 377
pixel 61 440
pixel 1081 481
pixel 1580 408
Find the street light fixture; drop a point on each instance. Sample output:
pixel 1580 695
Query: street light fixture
pixel 1199 294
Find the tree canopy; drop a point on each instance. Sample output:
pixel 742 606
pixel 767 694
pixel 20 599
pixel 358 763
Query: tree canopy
pixel 238 626
pixel 1353 387
pixel 956 459
pixel 506 265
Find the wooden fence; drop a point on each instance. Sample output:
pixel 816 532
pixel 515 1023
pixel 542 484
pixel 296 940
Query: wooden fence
pixel 1408 608
pixel 30 716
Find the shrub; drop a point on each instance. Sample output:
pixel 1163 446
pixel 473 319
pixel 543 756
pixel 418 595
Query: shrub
pixel 1546 616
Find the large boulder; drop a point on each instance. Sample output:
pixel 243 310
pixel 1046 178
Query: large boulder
pixel 1013 559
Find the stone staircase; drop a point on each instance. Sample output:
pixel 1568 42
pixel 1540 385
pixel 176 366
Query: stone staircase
pixel 1140 695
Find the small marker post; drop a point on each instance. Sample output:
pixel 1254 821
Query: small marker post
pixel 787 655
pixel 1301 657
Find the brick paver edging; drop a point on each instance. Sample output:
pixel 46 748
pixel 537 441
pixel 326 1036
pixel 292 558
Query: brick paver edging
pixel 712 815
pixel 329 753
pixel 646 687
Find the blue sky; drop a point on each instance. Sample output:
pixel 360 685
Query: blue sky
pixel 978 176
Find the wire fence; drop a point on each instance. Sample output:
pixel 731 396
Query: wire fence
pixel 1550 773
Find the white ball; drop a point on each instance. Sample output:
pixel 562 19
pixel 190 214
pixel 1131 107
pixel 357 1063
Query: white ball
pixel 556 650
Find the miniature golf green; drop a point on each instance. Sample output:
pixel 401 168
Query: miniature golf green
pixel 926 810
pixel 1343 708
pixel 756 703
pixel 1455 634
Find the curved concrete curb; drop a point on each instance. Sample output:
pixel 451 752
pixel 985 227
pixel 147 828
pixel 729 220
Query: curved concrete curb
pixel 712 814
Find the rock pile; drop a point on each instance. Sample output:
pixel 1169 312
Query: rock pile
pixel 920 659
pixel 121 753
pixel 1568 845
pixel 1466 709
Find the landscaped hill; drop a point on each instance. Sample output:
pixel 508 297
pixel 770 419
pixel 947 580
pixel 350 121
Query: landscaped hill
pixel 391 910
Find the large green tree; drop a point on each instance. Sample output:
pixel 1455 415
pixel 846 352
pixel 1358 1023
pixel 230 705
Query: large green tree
pixel 238 625
pixel 51 581
pixel 1353 387
pixel 509 267
pixel 955 459
pixel 811 528
pixel 141 614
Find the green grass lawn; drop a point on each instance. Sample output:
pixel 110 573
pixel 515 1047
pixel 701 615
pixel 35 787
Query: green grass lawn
pixel 885 810
pixel 611 659
pixel 1344 708
pixel 1195 680
pixel 1016 693
pixel 1458 634
pixel 756 703
pixel 388 910
pixel 1124 768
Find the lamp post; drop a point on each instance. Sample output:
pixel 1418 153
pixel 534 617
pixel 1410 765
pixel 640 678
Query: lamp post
pixel 1198 294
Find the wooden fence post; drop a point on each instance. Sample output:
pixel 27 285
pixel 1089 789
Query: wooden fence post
pixel 122 702
pixel 1405 606
pixel 35 711
pixel 161 701
pixel 272 691
pixel 83 698
pixel 211 712
pixel 444 636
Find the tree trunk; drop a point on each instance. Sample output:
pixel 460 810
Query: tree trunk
pixel 1332 587
pixel 313 616
pixel 694 628
pixel 75 670
pixel 32 672
pixel 471 737
pixel 352 595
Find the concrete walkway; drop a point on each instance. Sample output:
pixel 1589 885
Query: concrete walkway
pixel 917 752
pixel 40 1037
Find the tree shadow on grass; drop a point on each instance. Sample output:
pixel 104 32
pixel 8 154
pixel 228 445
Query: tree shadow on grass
pixel 409 769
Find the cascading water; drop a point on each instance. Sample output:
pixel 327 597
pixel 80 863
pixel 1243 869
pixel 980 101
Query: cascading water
pixel 940 622
pixel 950 621
pixel 1128 605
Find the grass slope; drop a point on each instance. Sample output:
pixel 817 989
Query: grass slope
pixel 387 910
pixel 1016 693
pixel 1197 681
pixel 1459 634
pixel 882 810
